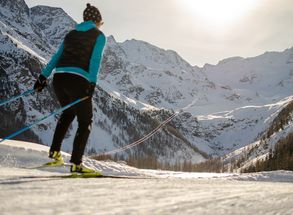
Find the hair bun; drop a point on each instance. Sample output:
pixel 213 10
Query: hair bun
pixel 88 5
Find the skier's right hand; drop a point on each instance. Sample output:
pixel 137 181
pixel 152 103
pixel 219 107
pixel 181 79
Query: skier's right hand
pixel 91 89
pixel 41 83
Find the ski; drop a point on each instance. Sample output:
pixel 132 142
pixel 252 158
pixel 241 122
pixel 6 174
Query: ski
pixel 84 175
pixel 75 175
pixel 50 164
pixel 81 176
pixel 98 175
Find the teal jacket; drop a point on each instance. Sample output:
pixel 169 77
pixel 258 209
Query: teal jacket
pixel 95 59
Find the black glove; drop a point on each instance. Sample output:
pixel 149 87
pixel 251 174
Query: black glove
pixel 91 89
pixel 41 83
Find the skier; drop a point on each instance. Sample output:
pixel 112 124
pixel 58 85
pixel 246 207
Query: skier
pixel 77 64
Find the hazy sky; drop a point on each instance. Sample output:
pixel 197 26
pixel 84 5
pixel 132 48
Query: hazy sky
pixel 201 31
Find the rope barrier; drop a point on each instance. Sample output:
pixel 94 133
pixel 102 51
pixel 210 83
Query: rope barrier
pixel 153 132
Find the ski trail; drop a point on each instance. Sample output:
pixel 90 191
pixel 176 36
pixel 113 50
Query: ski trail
pixel 34 191
pixel 21 194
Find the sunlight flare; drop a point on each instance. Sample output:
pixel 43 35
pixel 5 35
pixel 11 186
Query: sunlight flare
pixel 219 13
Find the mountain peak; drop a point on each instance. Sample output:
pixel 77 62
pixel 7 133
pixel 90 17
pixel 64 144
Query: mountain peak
pixel 231 59
pixel 111 39
pixel 144 53
pixel 53 22
pixel 15 6
pixel 18 9
pixel 47 10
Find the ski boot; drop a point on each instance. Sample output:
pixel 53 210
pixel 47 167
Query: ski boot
pixel 58 160
pixel 81 169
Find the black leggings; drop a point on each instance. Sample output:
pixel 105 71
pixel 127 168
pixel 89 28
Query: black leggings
pixel 68 88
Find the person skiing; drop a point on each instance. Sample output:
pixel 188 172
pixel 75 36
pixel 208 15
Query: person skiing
pixel 77 64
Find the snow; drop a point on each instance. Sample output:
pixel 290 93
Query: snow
pixel 20 45
pixel 131 102
pixel 31 191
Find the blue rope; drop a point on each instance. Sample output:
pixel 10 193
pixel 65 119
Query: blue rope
pixel 17 97
pixel 43 118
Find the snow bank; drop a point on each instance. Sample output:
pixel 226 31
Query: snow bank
pixel 18 154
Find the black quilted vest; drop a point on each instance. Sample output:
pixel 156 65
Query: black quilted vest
pixel 78 48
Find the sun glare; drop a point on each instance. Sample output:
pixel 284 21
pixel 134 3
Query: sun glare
pixel 218 13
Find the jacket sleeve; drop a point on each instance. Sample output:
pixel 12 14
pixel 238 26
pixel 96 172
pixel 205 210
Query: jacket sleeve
pixel 96 58
pixel 53 62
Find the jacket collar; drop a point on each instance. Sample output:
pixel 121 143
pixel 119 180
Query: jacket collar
pixel 85 26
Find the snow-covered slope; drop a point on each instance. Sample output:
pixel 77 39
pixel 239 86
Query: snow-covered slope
pixel 152 75
pixel 26 155
pixel 54 23
pixel 223 132
pixel 280 127
pixel 15 22
pixel 18 154
pixel 31 191
pixel 264 79
pixel 249 95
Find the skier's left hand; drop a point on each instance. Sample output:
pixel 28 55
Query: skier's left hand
pixel 41 83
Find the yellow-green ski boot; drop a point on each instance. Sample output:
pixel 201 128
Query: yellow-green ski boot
pixel 58 160
pixel 81 169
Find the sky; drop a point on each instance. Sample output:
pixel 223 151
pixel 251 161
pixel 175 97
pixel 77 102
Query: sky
pixel 201 31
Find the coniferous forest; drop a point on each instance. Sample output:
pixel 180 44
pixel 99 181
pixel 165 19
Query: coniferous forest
pixel 281 158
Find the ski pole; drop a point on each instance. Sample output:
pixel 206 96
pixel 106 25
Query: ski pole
pixel 43 118
pixel 16 97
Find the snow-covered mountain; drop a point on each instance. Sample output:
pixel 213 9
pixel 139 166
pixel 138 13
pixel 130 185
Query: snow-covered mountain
pixel 15 23
pixel 54 23
pixel 226 107
pixel 152 75
pixel 249 95
pixel 118 120
pixel 260 80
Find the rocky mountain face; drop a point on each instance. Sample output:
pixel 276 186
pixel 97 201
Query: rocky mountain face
pixel 152 75
pixel 27 43
pixel 15 22
pixel 54 23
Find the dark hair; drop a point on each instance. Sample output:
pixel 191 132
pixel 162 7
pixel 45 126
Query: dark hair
pixel 91 13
